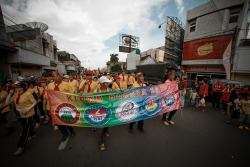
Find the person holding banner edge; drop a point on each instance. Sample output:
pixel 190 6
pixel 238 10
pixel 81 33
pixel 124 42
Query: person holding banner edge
pixel 138 83
pixel 104 82
pixel 168 121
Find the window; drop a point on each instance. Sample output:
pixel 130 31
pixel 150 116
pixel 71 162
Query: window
pixel 234 17
pixel 192 26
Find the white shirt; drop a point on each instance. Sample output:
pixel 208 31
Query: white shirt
pixel 237 101
pixel 194 95
pixel 19 78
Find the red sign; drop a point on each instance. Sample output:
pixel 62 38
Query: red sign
pixel 215 69
pixel 207 48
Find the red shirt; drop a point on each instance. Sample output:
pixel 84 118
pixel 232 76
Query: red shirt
pixel 241 91
pixel 202 90
pixel 183 85
pixel 218 86
pixel 226 95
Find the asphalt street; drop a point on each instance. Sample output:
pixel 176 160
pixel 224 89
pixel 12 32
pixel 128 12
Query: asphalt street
pixel 197 139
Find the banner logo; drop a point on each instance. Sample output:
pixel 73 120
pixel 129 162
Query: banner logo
pixel 97 115
pixel 127 111
pixel 67 113
pixel 151 105
pixel 169 101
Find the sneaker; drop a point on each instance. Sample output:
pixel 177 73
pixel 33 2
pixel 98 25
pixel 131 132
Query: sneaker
pixel 170 122
pixel 55 127
pixel 41 117
pixel 246 127
pixel 165 123
pixel 19 151
pixel 37 125
pixel 46 121
pixel 31 137
pixel 241 127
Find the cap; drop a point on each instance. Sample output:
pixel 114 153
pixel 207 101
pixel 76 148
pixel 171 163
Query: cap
pixel 42 81
pixel 117 77
pixel 139 74
pixel 19 85
pixel 89 72
pixel 66 76
pixel 104 79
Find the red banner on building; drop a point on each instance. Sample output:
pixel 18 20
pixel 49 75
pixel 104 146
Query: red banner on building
pixel 211 69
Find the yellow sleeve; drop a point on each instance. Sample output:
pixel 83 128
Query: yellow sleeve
pixel 31 98
pixel 81 84
pixel 113 86
pixel 76 83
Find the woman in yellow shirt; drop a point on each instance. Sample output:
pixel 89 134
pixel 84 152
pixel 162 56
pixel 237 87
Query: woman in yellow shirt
pixel 25 103
pixel 4 110
pixel 138 83
pixel 130 80
pixel 117 85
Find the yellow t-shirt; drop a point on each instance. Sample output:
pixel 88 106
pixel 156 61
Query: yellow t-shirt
pixel 3 95
pixel 37 89
pixel 130 80
pixel 95 91
pixel 93 86
pixel 245 104
pixel 25 101
pixel 125 78
pixel 136 85
pixel 63 87
pixel 167 81
pixel 73 86
pixel 115 86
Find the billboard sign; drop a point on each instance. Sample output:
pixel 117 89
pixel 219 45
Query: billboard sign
pixel 128 43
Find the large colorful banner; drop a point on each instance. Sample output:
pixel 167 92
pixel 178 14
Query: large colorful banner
pixel 113 108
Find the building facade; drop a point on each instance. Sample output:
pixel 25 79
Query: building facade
pixel 216 30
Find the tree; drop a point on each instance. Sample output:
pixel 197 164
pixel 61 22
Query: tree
pixel 116 68
pixel 108 63
pixel 114 58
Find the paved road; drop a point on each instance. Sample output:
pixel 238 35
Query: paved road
pixel 199 139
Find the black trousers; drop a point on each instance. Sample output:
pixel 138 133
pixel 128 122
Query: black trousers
pixel 27 131
pixel 36 117
pixel 216 99
pixel 40 107
pixel 65 129
pixel 139 126
pixel 105 130
pixel 170 115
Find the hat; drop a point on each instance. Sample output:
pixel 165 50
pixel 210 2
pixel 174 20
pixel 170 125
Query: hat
pixel 42 81
pixel 104 79
pixel 19 85
pixel 89 72
pixel 139 74
pixel 66 76
pixel 117 77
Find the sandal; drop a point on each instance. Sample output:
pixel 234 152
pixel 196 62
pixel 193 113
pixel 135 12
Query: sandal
pixel 106 134
pixel 102 147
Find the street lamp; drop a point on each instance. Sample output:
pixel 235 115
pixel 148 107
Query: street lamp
pixel 161 24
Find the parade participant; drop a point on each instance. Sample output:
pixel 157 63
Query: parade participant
pixel 4 110
pixel 73 85
pixel 20 78
pixel 225 98
pixel 194 98
pixel 196 85
pixel 203 92
pixel 123 77
pixel 217 91
pixel 245 111
pixel 88 85
pixel 25 103
pixel 66 78
pixel 138 83
pixel 58 85
pixel 104 82
pixel 130 80
pixel 168 121
pixel 117 85
pixel 40 91
pixel 183 87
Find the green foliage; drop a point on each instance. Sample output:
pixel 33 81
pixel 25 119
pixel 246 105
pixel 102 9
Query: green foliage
pixel 114 58
pixel 116 68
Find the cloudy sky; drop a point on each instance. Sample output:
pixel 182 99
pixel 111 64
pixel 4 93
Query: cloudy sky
pixel 90 28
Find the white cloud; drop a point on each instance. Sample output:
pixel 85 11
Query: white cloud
pixel 81 27
pixel 180 6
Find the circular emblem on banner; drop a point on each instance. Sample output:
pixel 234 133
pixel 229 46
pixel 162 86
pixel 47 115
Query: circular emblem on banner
pixel 151 105
pixel 127 111
pixel 97 115
pixel 67 113
pixel 169 101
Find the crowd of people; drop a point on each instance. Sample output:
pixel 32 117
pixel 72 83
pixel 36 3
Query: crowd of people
pixel 29 100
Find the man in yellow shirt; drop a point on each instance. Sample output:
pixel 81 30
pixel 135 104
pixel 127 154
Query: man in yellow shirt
pixel 88 85
pixel 138 83
pixel 130 80
pixel 73 85
pixel 123 77
pixel 58 85
pixel 117 85
pixel 25 103
pixel 4 110
pixel 171 76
